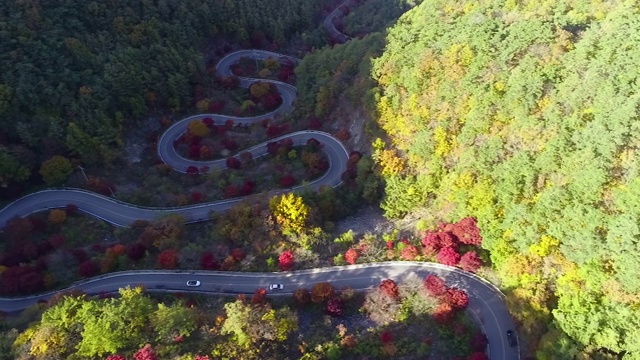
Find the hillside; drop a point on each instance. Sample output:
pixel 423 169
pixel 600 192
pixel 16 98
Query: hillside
pixel 525 115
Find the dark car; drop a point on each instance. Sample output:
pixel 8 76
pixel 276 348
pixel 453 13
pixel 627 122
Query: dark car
pixel 512 339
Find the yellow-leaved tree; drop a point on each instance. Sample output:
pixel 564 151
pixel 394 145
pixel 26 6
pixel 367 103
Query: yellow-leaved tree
pixel 290 212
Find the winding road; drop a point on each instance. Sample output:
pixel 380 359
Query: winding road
pixel 486 301
pixel 120 213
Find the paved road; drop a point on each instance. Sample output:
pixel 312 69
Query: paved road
pixel 124 214
pixel 166 149
pixel 486 301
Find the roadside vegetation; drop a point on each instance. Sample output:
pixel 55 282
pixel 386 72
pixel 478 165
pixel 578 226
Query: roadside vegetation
pixel 415 319
pixel 501 138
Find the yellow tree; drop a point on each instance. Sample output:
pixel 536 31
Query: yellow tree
pixel 198 128
pixel 290 212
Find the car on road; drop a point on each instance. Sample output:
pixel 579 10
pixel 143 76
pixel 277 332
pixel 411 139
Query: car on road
pixel 511 338
pixel 276 287
pixel 193 283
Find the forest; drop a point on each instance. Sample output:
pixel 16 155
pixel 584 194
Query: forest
pixel 499 137
pixel 76 77
pixel 525 115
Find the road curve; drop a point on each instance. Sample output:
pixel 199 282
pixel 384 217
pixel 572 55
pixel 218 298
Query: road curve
pixel 166 148
pixel 124 214
pixel 485 300
pixel 120 213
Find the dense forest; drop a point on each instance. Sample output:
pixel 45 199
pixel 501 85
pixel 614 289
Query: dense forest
pixel 76 75
pixel 525 115
pixel 514 119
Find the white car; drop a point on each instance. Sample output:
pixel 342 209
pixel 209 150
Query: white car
pixel 193 283
pixel 276 287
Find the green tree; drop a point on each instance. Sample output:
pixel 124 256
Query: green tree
pixel 172 321
pixel 11 170
pixel 56 170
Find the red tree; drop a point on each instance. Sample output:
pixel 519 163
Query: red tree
pixel 247 187
pixel 470 261
pixel 286 260
pixel 409 253
pixel 88 268
pixel 208 121
pixel 259 296
pixel 386 337
pixel 230 144
pixel 192 170
pixel 168 259
pixel 231 191
pixel 443 314
pixel 115 357
pixel 202 357
pixel 478 356
pixel 208 262
pixel 334 307
pixel 237 254
pixel 287 181
pixel 233 163
pixel 457 298
pixel 390 288
pixel 448 256
pixel 430 244
pixel 271 101
pixel 196 196
pixel 478 341
pixel 136 251
pixel 215 107
pixel 435 285
pixel 146 353
pixel 351 256
pixel 466 231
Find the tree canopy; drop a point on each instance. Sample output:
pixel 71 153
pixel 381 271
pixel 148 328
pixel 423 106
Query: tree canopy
pixel 525 116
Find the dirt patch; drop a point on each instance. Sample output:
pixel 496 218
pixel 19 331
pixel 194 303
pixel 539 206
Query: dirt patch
pixel 368 220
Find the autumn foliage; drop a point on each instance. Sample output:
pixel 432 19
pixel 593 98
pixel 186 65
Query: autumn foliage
pixel 322 292
pixel 470 261
pixel 334 307
pixel 435 285
pixel 448 256
pixel 301 296
pixel 390 288
pixel 286 260
pixel 168 259
pixel 146 353
pixel 351 256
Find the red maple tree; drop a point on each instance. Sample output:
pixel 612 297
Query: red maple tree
pixel 351 256
pixel 470 261
pixel 168 259
pixel 457 298
pixel 448 256
pixel 286 260
pixel 209 262
pixel 146 353
pixel 390 288
pixel 334 307
pixel 435 285
pixel 88 268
